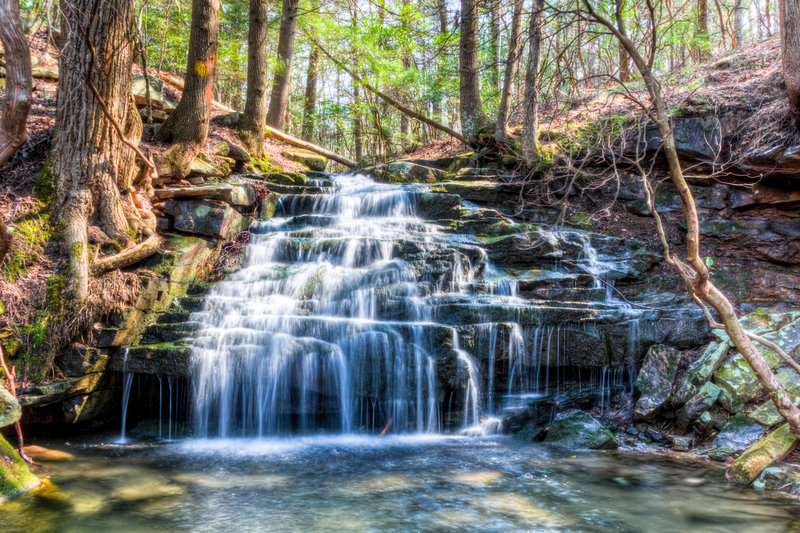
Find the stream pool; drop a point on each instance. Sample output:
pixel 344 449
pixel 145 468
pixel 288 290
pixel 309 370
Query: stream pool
pixel 384 484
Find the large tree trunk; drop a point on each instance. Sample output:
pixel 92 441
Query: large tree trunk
pixel 15 106
pixel 530 129
pixel 738 24
pixel 276 116
pixel 790 54
pixel 92 169
pixel 473 117
pixel 310 104
pixel 187 125
pixel 254 120
pixel 694 270
pixel 514 48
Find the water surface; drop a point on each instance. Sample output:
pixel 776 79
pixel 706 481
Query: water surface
pixel 386 484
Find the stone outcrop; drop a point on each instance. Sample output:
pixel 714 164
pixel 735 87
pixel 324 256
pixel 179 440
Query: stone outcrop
pixel 576 429
pixel 654 382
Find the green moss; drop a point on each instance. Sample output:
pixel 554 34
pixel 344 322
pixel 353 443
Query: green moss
pixel 44 188
pixel 582 220
pixel 30 236
pixel 15 477
pixel 263 164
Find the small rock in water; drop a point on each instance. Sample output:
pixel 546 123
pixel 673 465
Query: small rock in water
pixel 720 454
pixel 47 455
pixel 694 481
pixel 681 444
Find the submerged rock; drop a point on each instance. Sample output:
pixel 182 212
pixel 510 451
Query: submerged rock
pixel 654 382
pixel 784 478
pixel 576 429
pixel 15 476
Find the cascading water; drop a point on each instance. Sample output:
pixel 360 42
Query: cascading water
pixel 341 321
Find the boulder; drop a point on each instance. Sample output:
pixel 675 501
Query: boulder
pixel 10 410
pixel 240 194
pixel 15 476
pixel 77 359
pixel 576 429
pixel 202 217
pixel 404 172
pixel 159 102
pixel 699 404
pixel 784 478
pixel 159 115
pixel 771 449
pixel 701 371
pixel 654 382
pixel 204 169
pixel 228 120
pixel 313 161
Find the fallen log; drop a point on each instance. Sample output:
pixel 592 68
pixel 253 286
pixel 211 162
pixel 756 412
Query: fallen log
pixel 299 143
pixel 128 257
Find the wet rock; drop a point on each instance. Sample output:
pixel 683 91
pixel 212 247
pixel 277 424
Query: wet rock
pixel 771 449
pixel 47 455
pixel 699 404
pixel 720 454
pixel 576 429
pixel 738 434
pixel 701 371
pixel 531 433
pixel 204 218
pixel 313 161
pixel 654 382
pixel 10 410
pixel 77 359
pixel 15 476
pixel 437 206
pixel 404 172
pixel 784 478
pixel 681 444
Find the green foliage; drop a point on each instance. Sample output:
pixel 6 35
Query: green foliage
pixel 582 220
pixel 30 236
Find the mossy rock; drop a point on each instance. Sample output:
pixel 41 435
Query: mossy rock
pixel 654 382
pixel 576 429
pixel 771 449
pixel 313 161
pixel 15 476
pixel 10 410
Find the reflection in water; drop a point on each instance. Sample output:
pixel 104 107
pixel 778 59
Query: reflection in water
pixel 400 483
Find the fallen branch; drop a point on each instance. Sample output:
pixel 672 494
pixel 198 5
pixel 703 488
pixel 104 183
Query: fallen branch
pixel 128 257
pixel 391 101
pixel 299 143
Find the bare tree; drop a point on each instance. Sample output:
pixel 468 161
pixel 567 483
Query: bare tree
pixel 514 49
pixel 693 269
pixel 530 130
pixel 15 106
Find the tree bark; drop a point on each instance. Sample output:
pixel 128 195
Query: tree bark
pixel 358 132
pixel 473 117
pixel 187 125
pixel 310 103
pixel 254 119
pixel 622 55
pixel 700 44
pixel 694 271
pixel 438 89
pixel 530 129
pixel 15 106
pixel 790 54
pixel 276 116
pixel 91 167
pixel 514 49
pixel 738 24
pixel 494 42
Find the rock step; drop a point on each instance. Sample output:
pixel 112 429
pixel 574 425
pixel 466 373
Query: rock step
pixel 161 333
pixel 191 303
pixel 174 316
pixel 166 359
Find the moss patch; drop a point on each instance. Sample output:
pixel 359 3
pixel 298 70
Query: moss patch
pixel 15 476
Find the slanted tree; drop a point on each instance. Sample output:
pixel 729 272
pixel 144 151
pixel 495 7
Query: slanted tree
pixel 790 54
pixel 279 99
pixel 473 117
pixel 530 128
pixel 187 125
pixel 514 49
pixel 91 164
pixel 15 106
pixel 254 119
pixel 693 270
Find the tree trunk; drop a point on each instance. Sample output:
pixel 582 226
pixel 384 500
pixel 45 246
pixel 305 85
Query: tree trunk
pixel 700 44
pixel 530 129
pixel 473 117
pixel 694 271
pixel 494 41
pixel 790 54
pixel 358 134
pixel 624 60
pixel 254 119
pixel 276 116
pixel 738 24
pixel 15 106
pixel 438 89
pixel 310 104
pixel 514 48
pixel 91 168
pixel 187 126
